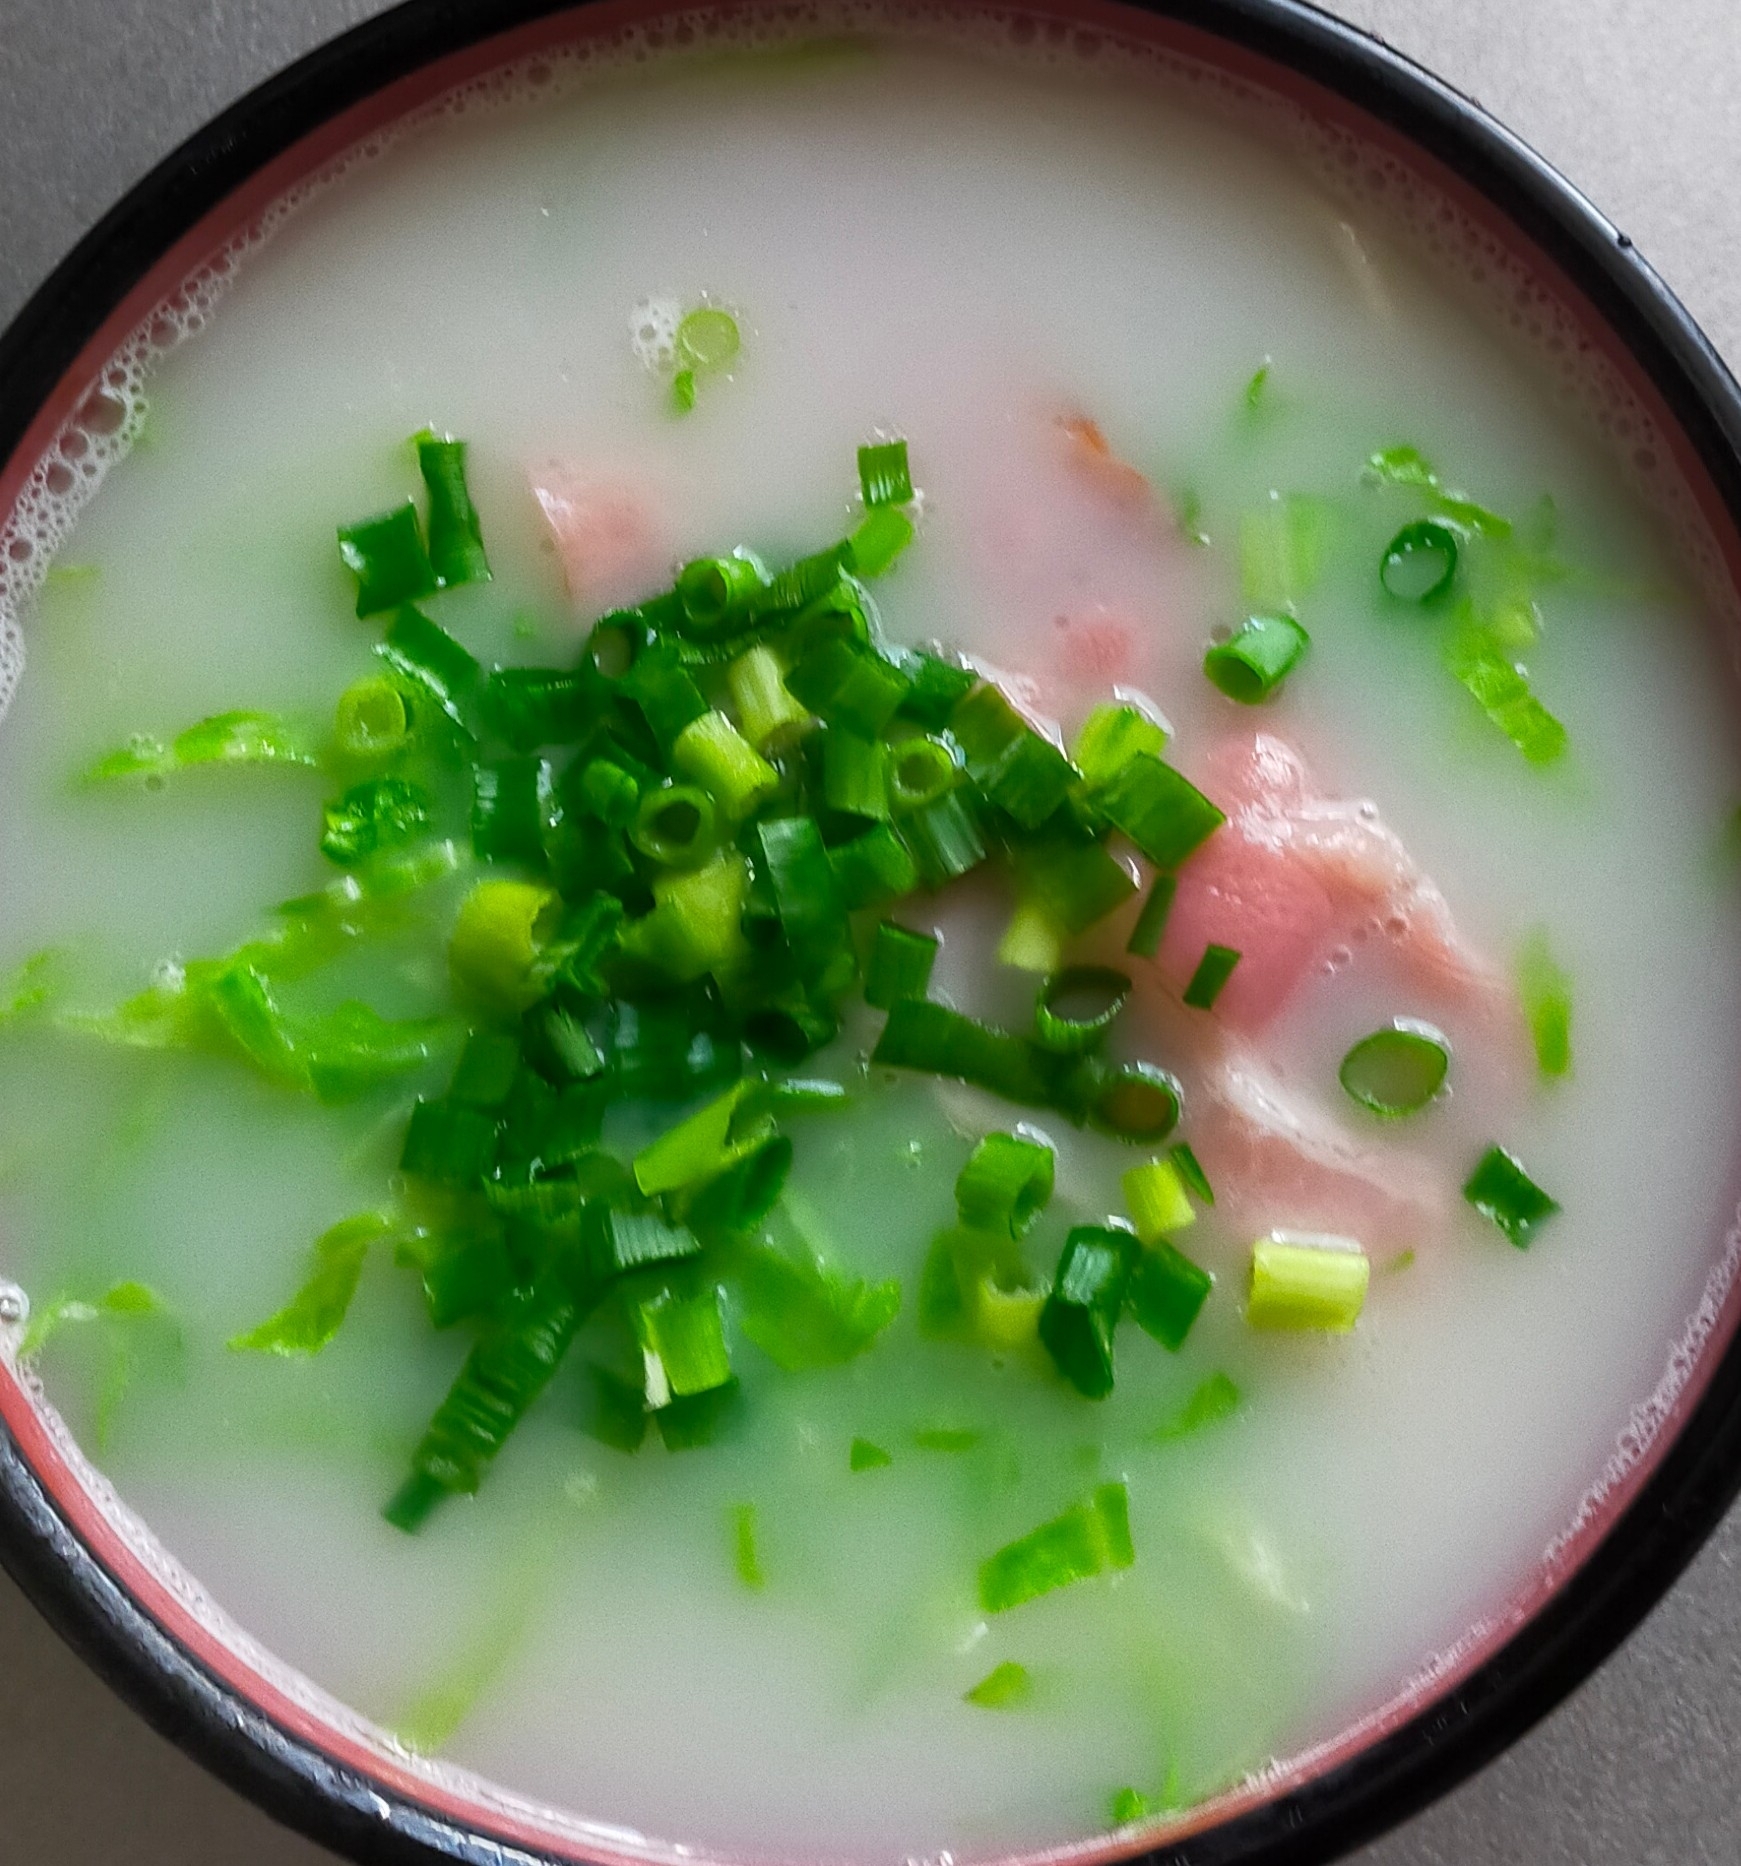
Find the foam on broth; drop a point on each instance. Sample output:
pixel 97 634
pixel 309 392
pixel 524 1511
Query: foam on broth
pixel 875 215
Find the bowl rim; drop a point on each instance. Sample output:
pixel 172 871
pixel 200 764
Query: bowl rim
pixel 1693 1477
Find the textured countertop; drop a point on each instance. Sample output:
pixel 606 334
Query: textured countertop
pixel 1639 102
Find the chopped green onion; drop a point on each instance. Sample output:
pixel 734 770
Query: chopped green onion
pixel 1303 1281
pixel 1004 1687
pixel 1078 1006
pixel 678 827
pixel 950 1439
pixel 713 591
pixel 1191 1171
pixel 1021 772
pixel 1167 1292
pixel 877 540
pixel 900 965
pixel 1112 735
pixel 791 1026
pixel 873 869
pixel 435 665
pixel 1033 941
pixel 225 739
pixel 695 1149
pixel 683 390
pixel 866 1455
pixel 696 925
pixel 1398 1070
pixel 1408 466
pixel 448 1143
pixel 712 752
pixel 1213 1400
pixel 511 802
pixel 939 1041
pixel 791 858
pixel 943 840
pixel 486 1069
pixel 318 1309
pixel 805 1314
pixel 501 928
pixel 1002 1318
pixel 609 792
pixel 1163 813
pixel 1154 1195
pixel 1083 1542
pixel 1082 1312
pixel 456 538
pixel 707 339
pixel 883 475
pixel 1130 1805
pixel 30 986
pixel 855 779
pixel 1213 971
pixel 1501 1190
pixel 378 813
pixel 1420 563
pixel 682 1339
pixel 1076 883
pixel 664 691
pixel 1501 689
pixel 1281 549
pixel 1136 1102
pixel 758 690
pixel 621 1241
pixel 504 1373
pixel 1005 1184
pixel 746 1557
pixel 921 771
pixel 617 1415
pixel 531 707
pixel 849 685
pixel 1546 991
pixel 807 1095
pixel 372 720
pixel 938 687
pixel 738 1201
pixel 1252 664
pixel 386 556
pixel 1151 921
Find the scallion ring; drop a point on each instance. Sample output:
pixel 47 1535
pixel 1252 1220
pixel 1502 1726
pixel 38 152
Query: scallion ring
pixel 1136 1102
pixel 677 827
pixel 715 590
pixel 1397 1070
pixel 1076 1007
pixel 921 770
pixel 1420 563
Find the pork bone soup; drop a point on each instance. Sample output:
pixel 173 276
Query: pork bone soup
pixel 931 1052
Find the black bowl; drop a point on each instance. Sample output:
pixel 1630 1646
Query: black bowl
pixel 54 1538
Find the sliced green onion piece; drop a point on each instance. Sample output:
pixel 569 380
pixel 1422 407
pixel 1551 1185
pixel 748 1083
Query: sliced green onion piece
pixel 609 792
pixel 1021 772
pixel 1213 971
pixel 707 338
pixel 883 475
pixel 531 707
pixel 485 1070
pixel 1004 1687
pixel 1281 549
pixel 1546 991
pixel 1151 921
pixel 1167 1292
pixel 1485 667
pixel 849 685
pixel 379 813
pixel 1213 1400
pixel 683 390
pixel 1163 813
pixel 664 691
pixel 1005 1184
pixel 240 738
pixel 758 690
pixel 1154 1195
pixel 739 1200
pixel 435 665
pixel 1501 1190
pixel 944 840
pixel 372 720
pixel 1253 663
pixel 1191 1171
pixel 1398 1070
pixel 620 1241
pixel 938 687
pixel 1420 563
pixel 682 1338
pixel 1081 1313
pixel 791 858
pixel 1003 1318
pixel 804 1314
pixel 1076 883
pixel 877 540
pixel 940 1041
pixel 1112 735
pixel 866 1455
pixel 1130 1804
pixel 696 924
pixel 1078 1006
pixel 1304 1281
pixel 746 1557
pixel 678 827
pixel 617 1415
pixel 693 1150
pixel 900 965
pixel 1084 1541
pixel 873 869
pixel 448 1143
pixel 855 774
pixel 1033 941
pixel 386 556
pixel 1136 1102
pixel 456 538
pixel 510 807
pixel 501 928
pixel 715 590
pixel 502 1376
pixel 920 772
pixel 711 751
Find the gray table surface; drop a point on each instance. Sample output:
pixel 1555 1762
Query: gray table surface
pixel 1639 101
